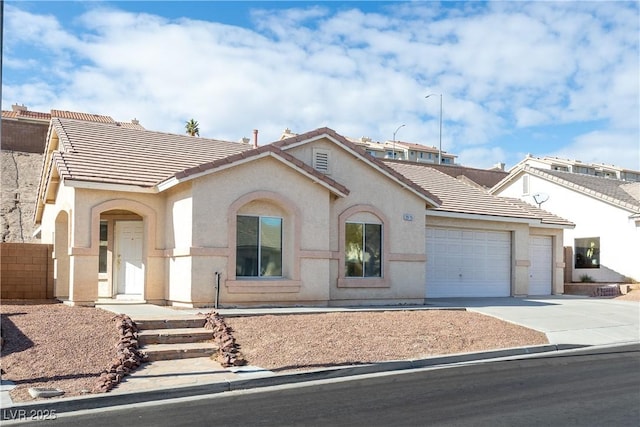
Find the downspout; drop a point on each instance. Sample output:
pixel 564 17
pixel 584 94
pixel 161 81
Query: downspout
pixel 216 279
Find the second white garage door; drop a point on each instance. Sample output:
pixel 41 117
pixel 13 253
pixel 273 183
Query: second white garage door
pixel 540 270
pixel 467 263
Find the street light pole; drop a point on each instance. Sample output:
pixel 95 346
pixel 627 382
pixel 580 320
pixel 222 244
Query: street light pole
pixel 394 140
pixel 440 146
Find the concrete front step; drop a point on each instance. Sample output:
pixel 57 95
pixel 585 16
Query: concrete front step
pixel 189 322
pixel 179 351
pixel 174 336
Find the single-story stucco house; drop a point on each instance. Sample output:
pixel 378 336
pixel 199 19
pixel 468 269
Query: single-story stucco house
pixel 308 220
pixel 605 210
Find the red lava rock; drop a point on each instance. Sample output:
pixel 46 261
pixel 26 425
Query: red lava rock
pixel 129 356
pixel 228 349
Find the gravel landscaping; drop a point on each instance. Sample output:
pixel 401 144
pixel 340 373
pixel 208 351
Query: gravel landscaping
pixel 58 346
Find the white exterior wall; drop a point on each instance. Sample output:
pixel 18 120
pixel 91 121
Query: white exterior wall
pixel 619 235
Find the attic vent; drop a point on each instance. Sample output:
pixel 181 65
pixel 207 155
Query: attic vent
pixel 321 161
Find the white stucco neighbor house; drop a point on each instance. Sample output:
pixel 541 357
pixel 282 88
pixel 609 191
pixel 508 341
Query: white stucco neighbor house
pixel 308 220
pixel 606 211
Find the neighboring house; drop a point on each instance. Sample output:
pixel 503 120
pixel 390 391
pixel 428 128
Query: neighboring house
pixel 576 166
pixel 307 220
pixel 398 150
pixel 606 211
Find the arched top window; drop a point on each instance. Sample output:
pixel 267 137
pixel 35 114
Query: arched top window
pixel 364 249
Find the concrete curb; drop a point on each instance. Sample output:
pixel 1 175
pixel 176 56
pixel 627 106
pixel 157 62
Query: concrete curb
pixel 115 399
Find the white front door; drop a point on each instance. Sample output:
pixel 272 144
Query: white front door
pixel 129 268
pixel 540 270
pixel 467 263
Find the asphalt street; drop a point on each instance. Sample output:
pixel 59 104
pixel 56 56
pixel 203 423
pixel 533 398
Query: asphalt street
pixel 577 388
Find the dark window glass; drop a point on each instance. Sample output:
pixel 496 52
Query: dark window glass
pixel 103 253
pixel 259 246
pixel 587 252
pixel 363 250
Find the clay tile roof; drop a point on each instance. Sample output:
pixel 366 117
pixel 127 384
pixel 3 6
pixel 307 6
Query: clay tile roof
pixel 458 197
pixel 621 193
pixel 362 152
pixel 82 116
pixel 25 114
pixel 101 152
pixel 130 125
pixel 535 212
pixel 483 177
pixel 255 153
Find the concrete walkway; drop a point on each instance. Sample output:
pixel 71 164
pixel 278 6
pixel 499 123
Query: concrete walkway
pixel 564 319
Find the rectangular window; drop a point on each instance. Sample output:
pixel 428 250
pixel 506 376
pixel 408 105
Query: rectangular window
pixel 363 250
pixel 587 252
pixel 102 255
pixel 259 246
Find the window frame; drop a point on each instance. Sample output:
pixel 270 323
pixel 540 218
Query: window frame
pixel 259 247
pixel 364 252
pixel 355 214
pixel 581 250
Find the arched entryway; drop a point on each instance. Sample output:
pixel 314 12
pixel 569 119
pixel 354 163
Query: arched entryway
pixel 121 265
pixel 125 234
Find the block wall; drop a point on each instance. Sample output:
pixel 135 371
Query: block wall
pixel 26 271
pixel 24 136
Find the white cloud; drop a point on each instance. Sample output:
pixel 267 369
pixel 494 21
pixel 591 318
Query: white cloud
pixel 609 147
pixel 500 66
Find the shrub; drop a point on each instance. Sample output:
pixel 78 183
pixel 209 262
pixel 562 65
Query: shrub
pixel 585 278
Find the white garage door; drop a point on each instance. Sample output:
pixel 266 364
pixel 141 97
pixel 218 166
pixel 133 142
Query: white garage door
pixel 541 265
pixel 467 263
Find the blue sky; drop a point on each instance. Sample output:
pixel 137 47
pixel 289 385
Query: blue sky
pixel 546 78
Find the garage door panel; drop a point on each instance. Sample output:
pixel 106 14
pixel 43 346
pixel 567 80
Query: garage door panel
pixel 540 270
pixel 463 263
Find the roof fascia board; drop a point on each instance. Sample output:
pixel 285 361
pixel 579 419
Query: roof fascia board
pixel 461 215
pixel 363 158
pixel 173 181
pixel 90 185
pixel 513 174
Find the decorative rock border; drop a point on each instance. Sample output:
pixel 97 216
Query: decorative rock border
pixel 228 350
pixel 128 358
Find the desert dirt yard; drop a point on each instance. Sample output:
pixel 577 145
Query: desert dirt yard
pixel 57 346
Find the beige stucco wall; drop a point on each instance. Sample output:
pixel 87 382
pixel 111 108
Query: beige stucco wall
pixel 405 246
pixel 261 187
pixel 79 265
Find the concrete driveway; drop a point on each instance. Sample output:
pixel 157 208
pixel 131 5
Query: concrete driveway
pixel 565 319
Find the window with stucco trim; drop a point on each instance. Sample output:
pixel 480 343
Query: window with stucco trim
pixel 363 249
pixel 258 246
pixel 103 251
pixel 587 252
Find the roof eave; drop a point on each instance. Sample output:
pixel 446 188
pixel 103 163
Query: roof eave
pixel 495 218
pixel 107 186
pixel 173 181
